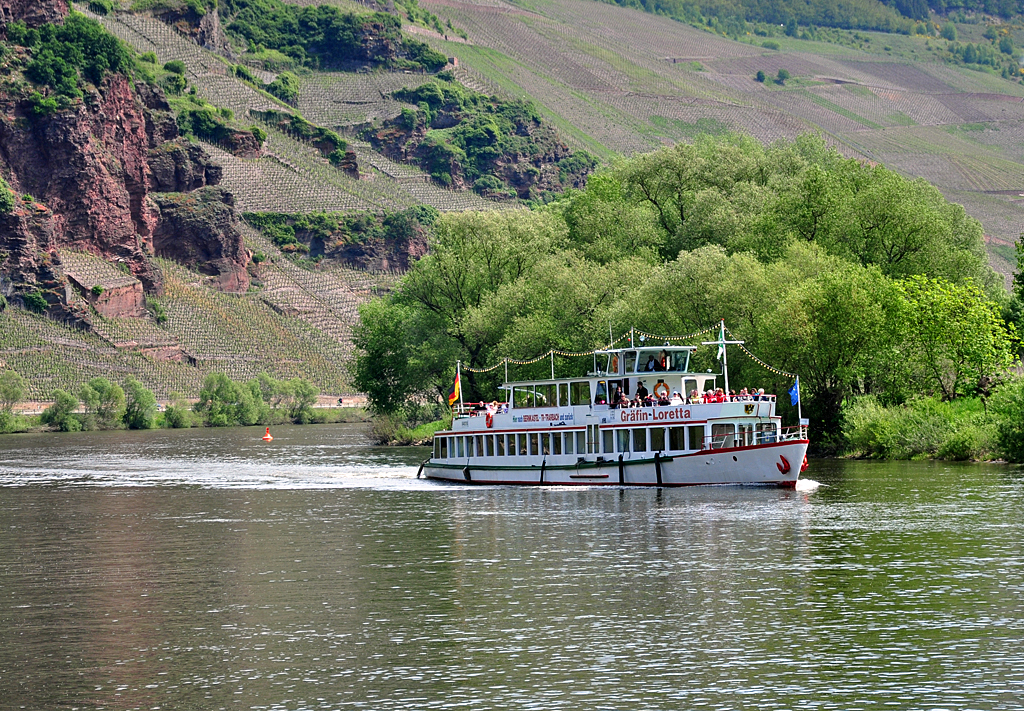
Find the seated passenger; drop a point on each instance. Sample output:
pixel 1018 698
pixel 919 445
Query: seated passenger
pixel 732 396
pixel 760 394
pixel 650 365
pixel 744 395
pixel 720 395
pixel 677 399
pixel 623 401
pixel 694 397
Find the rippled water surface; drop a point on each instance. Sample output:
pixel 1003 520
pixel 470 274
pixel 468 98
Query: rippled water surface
pixel 205 569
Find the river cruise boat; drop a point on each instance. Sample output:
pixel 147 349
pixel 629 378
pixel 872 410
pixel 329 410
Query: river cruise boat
pixel 570 430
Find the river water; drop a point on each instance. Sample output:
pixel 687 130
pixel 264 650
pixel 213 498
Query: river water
pixel 205 569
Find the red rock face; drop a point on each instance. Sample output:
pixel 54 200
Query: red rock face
pixel 94 168
pixel 33 12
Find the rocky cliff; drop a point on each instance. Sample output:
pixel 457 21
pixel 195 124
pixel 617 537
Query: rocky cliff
pixel 92 172
pixel 33 12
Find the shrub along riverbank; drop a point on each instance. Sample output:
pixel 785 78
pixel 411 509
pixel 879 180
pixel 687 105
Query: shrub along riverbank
pixel 103 405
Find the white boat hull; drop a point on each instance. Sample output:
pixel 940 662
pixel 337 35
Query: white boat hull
pixel 777 463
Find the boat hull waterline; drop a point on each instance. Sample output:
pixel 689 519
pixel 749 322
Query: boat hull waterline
pixel 777 464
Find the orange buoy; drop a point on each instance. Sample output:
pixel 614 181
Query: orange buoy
pixel 267 437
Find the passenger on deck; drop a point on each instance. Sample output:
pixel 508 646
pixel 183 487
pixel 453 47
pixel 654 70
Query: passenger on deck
pixel 677 399
pixel 641 390
pixel 694 397
pixel 732 396
pixel 720 395
pixel 744 395
pixel 622 400
pixel 650 365
pixel 760 394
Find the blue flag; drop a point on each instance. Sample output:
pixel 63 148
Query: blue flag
pixel 794 393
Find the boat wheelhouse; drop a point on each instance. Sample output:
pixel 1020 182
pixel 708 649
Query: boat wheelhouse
pixel 577 431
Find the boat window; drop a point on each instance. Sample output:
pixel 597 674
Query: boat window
pixel 546 395
pixel 623 440
pixel 437 448
pixel 490 445
pixel 601 396
pixel 766 432
pixel 676 440
pixel 723 436
pixel 522 396
pixel 501 445
pixel 640 440
pixel 479 445
pixel 608 441
pixel 581 443
pixel 533 444
pixel 696 436
pixel 451 447
pixel 556 444
pixel 579 393
pixel 545 443
pixel 462 449
pixel 563 394
pixel 658 439
pixel 592 439
pixel 677 360
pixel 521 444
pixel 630 361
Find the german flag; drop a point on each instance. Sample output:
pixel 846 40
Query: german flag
pixel 453 394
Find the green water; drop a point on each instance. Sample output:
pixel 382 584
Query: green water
pixel 204 569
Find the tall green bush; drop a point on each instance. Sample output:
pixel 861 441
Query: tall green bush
pixel 61 413
pixel 1007 404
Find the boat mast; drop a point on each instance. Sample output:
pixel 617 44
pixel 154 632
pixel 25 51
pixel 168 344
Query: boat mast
pixel 458 379
pixel 722 343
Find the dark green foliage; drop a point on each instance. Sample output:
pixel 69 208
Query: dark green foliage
pixel 326 140
pixel 759 77
pixel 488 132
pixel 324 36
pixel 35 301
pixel 101 7
pixel 175 84
pixel 105 400
pixel 1006 45
pixel 782 76
pixel 65 55
pixel 382 370
pixel 948 31
pixel 61 413
pixel 177 414
pixel 175 66
pixel 1008 406
pixel 140 405
pixel 285 87
pixel 224 403
pixel 311 229
pixel 7 198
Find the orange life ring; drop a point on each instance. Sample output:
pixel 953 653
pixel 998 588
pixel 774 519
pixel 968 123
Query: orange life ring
pixel 489 420
pixel 661 389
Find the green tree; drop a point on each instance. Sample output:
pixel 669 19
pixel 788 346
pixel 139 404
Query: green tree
pixel 381 364
pixel 948 31
pixel 782 76
pixel 955 335
pixel 304 395
pixel 759 77
pixel 224 403
pixel 826 329
pixel 60 414
pixel 105 400
pixel 140 405
pixel 1007 404
pixel 12 390
pixel 177 414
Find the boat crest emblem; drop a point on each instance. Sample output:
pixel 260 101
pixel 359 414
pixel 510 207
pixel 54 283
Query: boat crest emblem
pixel 748 409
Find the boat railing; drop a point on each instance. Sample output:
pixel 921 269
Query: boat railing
pixel 753 437
pixel 478 409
